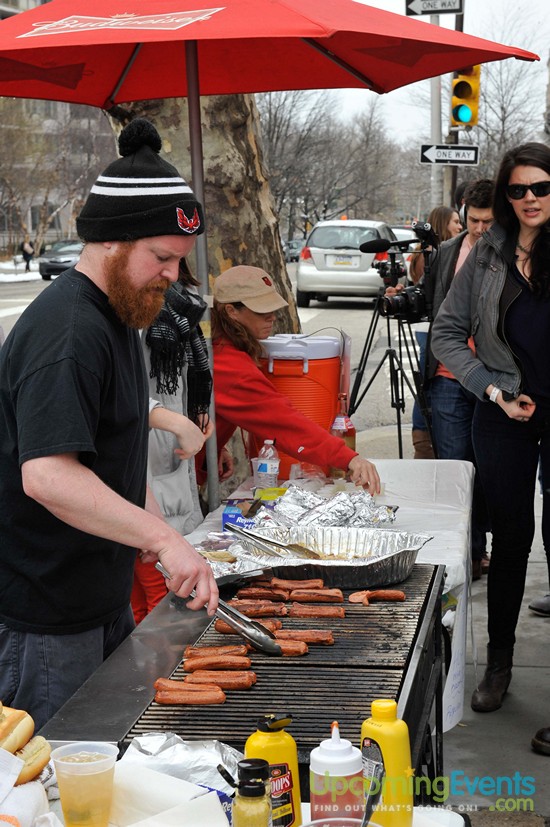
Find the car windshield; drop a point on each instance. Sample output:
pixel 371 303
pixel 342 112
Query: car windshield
pixel 67 249
pixel 341 238
pixel 403 234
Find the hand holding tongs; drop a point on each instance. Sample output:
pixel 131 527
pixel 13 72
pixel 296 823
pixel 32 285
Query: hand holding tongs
pixel 259 636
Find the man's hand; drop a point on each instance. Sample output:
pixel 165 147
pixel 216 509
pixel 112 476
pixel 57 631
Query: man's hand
pixel 364 473
pixel 188 571
pixel 393 291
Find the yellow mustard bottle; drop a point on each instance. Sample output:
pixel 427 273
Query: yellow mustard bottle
pixel 387 771
pixel 278 748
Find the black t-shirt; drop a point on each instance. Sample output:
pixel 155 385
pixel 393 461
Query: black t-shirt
pixel 72 380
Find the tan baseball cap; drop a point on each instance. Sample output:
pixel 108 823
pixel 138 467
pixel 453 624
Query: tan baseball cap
pixel 249 285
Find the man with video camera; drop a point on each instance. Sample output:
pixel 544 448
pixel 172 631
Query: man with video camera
pixel 452 406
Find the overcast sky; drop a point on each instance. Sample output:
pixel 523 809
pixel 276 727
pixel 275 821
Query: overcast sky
pixel 523 23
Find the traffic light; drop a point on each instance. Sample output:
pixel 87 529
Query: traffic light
pixel 465 97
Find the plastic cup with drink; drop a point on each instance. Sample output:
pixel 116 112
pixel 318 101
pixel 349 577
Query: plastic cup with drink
pixel 85 772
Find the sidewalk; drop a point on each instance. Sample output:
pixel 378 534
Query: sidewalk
pixel 496 746
pixel 10 272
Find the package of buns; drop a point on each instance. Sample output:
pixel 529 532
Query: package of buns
pixel 16 736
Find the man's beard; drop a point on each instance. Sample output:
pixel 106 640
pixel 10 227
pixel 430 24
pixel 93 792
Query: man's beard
pixel 135 307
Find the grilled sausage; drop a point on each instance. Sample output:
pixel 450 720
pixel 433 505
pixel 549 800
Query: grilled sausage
pixel 262 593
pixel 216 662
pixel 292 648
pixel 225 629
pixel 278 583
pixel 317 636
pixel 299 610
pixel 169 684
pixel 224 679
pixel 259 608
pixel 366 597
pixel 201 651
pixel 206 695
pixel 317 595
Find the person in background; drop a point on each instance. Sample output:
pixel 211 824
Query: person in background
pixel 446 224
pixel 74 503
pixel 27 251
pixel 502 297
pixel 245 305
pixel 180 387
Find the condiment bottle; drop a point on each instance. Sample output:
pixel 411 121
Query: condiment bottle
pixel 344 428
pixel 336 778
pixel 251 806
pixel 387 765
pixel 256 769
pixel 278 748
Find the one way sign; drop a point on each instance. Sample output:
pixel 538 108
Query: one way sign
pixel 434 6
pixel 449 154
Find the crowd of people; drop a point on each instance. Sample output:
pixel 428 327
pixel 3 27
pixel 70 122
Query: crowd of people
pixel 106 389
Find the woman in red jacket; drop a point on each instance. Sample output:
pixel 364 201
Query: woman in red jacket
pixel 245 304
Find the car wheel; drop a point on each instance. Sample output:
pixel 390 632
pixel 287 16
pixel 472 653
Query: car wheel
pixel 302 299
pixel 46 277
pixel 322 298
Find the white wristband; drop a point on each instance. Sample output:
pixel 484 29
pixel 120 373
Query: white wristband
pixel 494 393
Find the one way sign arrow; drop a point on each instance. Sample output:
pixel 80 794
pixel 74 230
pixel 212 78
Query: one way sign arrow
pixel 434 7
pixel 449 154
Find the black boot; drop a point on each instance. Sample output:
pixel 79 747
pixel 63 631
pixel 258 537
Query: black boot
pixel 498 674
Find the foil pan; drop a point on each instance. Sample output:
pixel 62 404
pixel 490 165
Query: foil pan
pixel 351 557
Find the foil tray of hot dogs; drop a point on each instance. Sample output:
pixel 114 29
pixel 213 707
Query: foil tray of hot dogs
pixel 347 557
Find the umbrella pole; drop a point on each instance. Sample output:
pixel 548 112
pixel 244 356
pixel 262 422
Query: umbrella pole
pixel 197 174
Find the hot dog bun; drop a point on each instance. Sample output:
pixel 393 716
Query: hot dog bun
pixel 16 728
pixel 36 755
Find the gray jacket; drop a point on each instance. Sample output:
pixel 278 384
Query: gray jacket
pixel 476 305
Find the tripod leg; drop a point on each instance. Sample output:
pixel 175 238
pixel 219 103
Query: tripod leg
pixel 353 403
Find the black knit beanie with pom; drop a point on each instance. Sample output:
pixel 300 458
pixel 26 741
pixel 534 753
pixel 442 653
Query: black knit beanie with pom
pixel 139 195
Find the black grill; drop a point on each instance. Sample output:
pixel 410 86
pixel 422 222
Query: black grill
pixel 369 660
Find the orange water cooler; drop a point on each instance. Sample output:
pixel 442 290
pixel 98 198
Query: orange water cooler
pixel 307 370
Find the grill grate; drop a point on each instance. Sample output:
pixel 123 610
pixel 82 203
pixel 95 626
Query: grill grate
pixel 368 661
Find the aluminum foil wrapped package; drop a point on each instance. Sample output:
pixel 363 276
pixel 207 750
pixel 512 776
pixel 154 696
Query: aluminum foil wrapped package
pixel 357 509
pixel 334 512
pixel 301 498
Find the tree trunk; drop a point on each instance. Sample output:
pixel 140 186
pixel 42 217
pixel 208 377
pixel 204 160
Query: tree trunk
pixel 241 224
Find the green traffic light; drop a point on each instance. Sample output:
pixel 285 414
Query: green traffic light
pixel 462 113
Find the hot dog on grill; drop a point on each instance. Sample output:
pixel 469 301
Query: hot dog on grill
pixel 216 662
pixel 315 583
pixel 207 694
pixel 292 648
pixel 259 608
pixel 319 610
pixel 318 636
pixel 366 597
pixel 224 679
pixel 317 595
pixel 262 593
pixel 225 629
pixel 200 651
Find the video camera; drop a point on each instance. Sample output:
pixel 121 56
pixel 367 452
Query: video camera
pixel 414 303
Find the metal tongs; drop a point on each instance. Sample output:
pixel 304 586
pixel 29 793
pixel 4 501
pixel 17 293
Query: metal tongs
pixel 272 546
pixel 259 636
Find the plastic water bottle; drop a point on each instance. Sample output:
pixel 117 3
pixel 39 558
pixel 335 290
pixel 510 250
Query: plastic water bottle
pixel 268 465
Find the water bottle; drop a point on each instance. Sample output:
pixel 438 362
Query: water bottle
pixel 268 465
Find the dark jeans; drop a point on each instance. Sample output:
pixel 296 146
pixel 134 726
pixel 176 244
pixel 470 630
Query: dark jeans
pixel 39 673
pixel 507 454
pixel 452 413
pixel 418 421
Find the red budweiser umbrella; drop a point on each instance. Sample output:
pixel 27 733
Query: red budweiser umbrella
pixel 134 50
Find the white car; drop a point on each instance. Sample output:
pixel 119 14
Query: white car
pixel 331 263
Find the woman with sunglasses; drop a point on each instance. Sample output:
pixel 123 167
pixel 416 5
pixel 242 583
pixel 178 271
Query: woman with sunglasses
pixel 501 296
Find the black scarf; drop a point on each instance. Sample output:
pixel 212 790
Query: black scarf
pixel 174 339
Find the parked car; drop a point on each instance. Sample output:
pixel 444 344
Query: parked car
pixel 405 232
pixel 293 248
pixel 331 263
pixel 60 256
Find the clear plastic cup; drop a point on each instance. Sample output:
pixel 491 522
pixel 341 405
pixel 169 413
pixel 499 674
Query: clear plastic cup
pixel 85 772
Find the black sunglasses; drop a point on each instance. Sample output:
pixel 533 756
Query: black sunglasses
pixel 519 191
